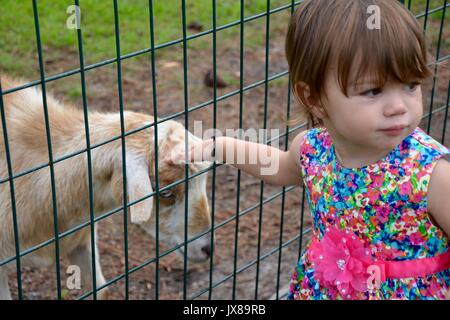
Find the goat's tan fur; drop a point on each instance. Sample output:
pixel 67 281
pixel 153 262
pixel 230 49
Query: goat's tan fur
pixel 33 193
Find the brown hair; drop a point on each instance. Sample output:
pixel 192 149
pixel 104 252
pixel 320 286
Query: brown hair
pixel 322 32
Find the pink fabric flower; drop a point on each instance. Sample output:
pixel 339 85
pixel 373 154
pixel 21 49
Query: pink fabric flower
pixel 340 262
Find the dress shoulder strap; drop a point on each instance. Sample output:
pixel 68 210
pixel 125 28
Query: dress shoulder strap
pixel 428 149
pixel 314 149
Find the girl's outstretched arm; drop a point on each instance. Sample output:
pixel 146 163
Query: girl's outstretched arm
pixel 264 162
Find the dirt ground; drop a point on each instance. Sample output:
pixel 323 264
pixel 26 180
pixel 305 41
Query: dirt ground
pixel 137 89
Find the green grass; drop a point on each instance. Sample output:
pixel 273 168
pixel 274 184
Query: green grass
pixel 18 45
pixel 18 54
pixel 419 6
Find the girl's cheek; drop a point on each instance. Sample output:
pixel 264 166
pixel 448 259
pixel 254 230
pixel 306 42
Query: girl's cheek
pixel 365 120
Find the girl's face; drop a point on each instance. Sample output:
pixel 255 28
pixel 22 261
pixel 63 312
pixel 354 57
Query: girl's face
pixel 372 118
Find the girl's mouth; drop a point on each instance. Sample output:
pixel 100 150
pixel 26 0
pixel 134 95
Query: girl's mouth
pixel 394 131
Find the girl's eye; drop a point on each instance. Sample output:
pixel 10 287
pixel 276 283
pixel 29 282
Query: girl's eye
pixel 413 86
pixel 374 91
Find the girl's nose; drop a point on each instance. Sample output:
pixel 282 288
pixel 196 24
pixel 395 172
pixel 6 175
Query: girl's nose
pixel 395 106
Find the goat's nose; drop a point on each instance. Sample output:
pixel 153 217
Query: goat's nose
pixel 207 250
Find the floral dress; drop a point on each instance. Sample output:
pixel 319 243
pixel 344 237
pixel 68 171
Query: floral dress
pixel 376 212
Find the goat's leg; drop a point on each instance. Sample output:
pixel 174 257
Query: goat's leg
pixel 5 294
pixel 82 257
pixel 102 294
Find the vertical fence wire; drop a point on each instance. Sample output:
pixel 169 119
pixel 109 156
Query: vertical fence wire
pixel 302 211
pixel 124 157
pixel 89 157
pixel 241 120
pixel 302 223
pixel 155 119
pixel 13 199
pixel 425 21
pixel 438 53
pixel 446 113
pixel 266 100
pixel 49 146
pixel 283 197
pixel 213 185
pixel 186 166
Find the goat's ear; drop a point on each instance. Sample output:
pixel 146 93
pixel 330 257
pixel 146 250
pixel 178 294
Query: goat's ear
pixel 139 186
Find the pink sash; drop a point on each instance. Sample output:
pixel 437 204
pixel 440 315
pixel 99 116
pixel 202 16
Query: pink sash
pixel 414 268
pixel 342 262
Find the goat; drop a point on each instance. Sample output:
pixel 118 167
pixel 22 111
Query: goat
pixel 27 140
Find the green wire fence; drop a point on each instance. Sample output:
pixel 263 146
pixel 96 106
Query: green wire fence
pixel 83 68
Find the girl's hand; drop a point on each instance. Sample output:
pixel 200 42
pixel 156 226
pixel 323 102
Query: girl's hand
pixel 447 296
pixel 198 151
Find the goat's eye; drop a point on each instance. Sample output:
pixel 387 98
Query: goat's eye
pixel 166 194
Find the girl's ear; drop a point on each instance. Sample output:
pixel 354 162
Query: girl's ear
pixel 138 187
pixel 303 92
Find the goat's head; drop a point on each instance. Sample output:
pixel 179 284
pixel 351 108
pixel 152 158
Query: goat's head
pixel 175 204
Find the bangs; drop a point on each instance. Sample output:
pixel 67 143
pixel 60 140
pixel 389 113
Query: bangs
pixel 394 51
pixel 333 36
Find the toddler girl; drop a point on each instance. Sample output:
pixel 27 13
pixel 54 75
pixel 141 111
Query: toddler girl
pixel 377 185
